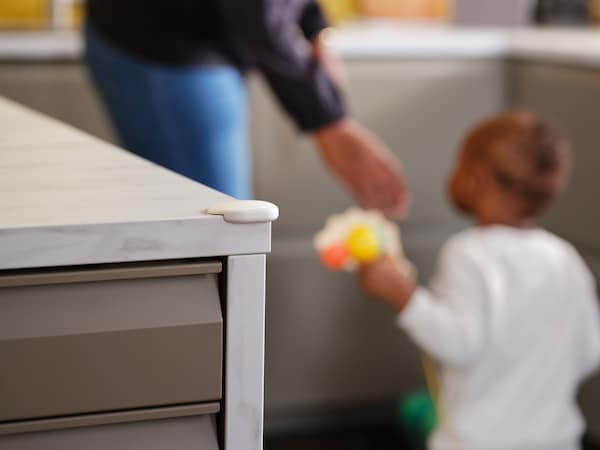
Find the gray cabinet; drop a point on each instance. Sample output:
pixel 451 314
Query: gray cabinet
pixel 184 433
pixel 353 352
pixel 570 96
pixel 109 340
pixel 133 356
pixel 111 354
pixel 421 109
pixel 62 90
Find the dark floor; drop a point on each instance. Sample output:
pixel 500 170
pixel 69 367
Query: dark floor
pixel 374 439
pixel 368 427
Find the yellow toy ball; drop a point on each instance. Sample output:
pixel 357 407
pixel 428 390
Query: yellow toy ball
pixel 363 244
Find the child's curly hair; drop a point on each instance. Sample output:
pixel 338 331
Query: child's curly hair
pixel 527 157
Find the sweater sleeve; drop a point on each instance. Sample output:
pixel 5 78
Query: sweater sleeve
pixel 449 320
pixel 312 21
pixel 269 32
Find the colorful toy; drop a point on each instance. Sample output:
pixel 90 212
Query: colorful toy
pixel 417 415
pixel 356 237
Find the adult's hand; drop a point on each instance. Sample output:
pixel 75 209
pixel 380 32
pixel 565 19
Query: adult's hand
pixel 365 165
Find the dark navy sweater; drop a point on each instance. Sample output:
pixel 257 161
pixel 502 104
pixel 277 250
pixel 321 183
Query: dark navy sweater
pixel 271 35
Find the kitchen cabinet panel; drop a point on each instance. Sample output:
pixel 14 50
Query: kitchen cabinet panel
pixel 327 344
pixel 421 109
pixel 61 90
pixel 187 433
pixel 123 343
pixel 570 97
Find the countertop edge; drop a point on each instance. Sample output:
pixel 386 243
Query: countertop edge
pixel 70 245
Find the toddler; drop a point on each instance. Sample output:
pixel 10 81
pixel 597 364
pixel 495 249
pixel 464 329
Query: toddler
pixel 511 315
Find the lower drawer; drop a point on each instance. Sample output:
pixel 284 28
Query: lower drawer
pixel 109 340
pixel 184 433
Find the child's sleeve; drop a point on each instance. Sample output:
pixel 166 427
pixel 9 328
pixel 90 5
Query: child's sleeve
pixel 449 321
pixel 589 320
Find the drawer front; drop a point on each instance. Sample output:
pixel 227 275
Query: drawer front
pixel 186 433
pixel 70 345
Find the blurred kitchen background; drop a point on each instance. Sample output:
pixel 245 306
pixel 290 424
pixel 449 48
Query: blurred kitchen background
pixel 421 72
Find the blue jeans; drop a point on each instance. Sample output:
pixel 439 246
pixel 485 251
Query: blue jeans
pixel 192 120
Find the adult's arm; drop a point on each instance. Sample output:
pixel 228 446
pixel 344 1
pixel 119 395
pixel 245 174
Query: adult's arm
pixel 270 34
pixel 312 21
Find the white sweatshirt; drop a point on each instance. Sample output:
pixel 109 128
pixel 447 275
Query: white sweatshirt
pixel 512 317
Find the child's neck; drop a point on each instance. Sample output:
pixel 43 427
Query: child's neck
pixel 507 222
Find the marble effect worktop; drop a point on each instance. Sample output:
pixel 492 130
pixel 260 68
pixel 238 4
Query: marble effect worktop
pixel 378 39
pixel 67 198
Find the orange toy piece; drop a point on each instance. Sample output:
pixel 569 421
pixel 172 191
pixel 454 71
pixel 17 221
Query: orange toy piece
pixel 335 257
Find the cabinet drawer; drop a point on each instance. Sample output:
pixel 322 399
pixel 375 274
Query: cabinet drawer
pixel 109 339
pixel 186 433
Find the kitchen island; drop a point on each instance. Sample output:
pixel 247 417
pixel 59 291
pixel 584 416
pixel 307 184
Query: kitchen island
pixel 130 317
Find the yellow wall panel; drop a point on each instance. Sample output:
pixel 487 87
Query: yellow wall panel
pixel 24 13
pixel 417 9
pixel 340 10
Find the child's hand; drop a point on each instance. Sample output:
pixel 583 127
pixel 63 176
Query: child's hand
pixel 390 280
